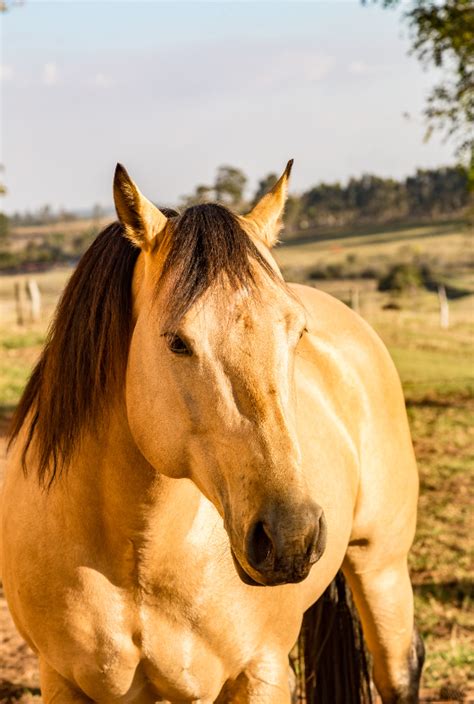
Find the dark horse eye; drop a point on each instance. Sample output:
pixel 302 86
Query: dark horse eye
pixel 177 345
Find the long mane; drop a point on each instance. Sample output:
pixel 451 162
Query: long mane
pixel 85 355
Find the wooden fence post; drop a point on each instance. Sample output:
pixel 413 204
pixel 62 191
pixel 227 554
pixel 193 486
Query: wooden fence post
pixel 355 299
pixel 20 302
pixel 34 295
pixel 443 307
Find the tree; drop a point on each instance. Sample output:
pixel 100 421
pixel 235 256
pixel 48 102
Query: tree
pixel 229 186
pixel 437 191
pixel 4 231
pixel 292 213
pixel 443 35
pixel 4 221
pixel 45 214
pixel 202 194
pixel 3 188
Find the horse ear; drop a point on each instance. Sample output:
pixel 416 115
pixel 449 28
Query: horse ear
pixel 143 222
pixel 267 215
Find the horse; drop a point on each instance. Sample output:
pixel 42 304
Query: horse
pixel 200 450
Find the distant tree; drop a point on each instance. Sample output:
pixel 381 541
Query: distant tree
pixel 443 35
pixel 325 204
pixel 65 215
pixel 264 185
pixel 292 213
pixel 45 214
pixel 3 188
pixel 370 198
pixel 4 231
pixel 437 191
pixel 202 194
pixel 97 212
pixel 373 197
pixel 229 186
pixel 4 222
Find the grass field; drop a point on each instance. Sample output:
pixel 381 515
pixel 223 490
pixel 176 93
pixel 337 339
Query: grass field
pixel 437 370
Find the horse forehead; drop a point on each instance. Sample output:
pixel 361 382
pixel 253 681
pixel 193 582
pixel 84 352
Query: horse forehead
pixel 269 312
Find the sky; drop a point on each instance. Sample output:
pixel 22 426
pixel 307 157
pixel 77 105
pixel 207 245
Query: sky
pixel 174 89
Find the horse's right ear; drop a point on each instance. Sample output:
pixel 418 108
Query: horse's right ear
pixel 142 221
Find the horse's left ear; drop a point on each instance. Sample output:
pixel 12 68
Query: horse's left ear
pixel 267 215
pixel 143 222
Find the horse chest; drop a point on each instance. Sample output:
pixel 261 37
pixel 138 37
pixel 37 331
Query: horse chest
pixel 180 628
pixel 135 649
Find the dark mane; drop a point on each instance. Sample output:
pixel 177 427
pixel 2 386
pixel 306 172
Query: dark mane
pixel 86 351
pixel 208 246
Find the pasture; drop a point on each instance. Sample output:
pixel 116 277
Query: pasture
pixel 437 371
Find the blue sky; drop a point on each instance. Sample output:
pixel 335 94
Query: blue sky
pixel 174 89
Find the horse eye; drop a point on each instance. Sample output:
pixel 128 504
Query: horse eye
pixel 177 345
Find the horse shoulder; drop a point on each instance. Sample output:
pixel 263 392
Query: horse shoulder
pixel 363 374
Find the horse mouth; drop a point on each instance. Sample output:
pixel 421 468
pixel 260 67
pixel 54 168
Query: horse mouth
pixel 274 580
pixel 244 576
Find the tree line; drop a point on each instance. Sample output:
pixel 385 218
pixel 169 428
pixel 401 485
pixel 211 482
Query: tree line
pixel 428 194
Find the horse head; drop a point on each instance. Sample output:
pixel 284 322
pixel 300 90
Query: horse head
pixel 210 387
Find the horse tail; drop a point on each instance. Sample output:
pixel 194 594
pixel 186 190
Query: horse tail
pixel 331 661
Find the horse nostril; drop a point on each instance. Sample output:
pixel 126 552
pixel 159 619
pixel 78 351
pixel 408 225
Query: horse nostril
pixel 313 539
pixel 317 543
pixel 260 546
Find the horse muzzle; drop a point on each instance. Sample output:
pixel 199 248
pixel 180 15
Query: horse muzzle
pixel 282 545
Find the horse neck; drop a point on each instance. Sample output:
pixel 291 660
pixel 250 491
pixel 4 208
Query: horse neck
pixel 128 500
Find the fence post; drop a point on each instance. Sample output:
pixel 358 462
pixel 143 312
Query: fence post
pixel 443 307
pixel 34 295
pixel 20 302
pixel 355 299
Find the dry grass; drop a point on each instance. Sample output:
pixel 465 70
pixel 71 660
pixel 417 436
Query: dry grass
pixel 449 242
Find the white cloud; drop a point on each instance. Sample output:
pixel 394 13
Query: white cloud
pixel 360 68
pixel 6 73
pixel 50 74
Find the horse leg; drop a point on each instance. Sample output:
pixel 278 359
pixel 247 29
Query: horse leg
pixel 384 600
pixel 55 688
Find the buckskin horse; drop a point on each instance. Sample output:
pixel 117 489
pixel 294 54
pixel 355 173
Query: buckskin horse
pixel 199 450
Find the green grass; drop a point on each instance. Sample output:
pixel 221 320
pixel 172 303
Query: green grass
pixel 13 377
pixel 442 557
pixel 21 340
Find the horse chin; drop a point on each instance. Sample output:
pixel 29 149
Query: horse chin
pixel 259 580
pixel 254 579
pixel 243 574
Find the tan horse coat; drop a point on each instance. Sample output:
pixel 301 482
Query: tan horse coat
pixel 121 576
